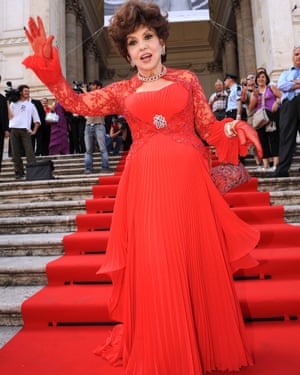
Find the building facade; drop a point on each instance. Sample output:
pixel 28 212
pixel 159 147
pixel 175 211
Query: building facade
pixel 239 36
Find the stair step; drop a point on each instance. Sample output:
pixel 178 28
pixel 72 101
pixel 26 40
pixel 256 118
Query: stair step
pixel 284 235
pixel 38 224
pixel 11 299
pixel 280 197
pixel 74 269
pixel 269 299
pixel 274 263
pixel 24 270
pixel 31 244
pixel 85 242
pixel 6 333
pixel 58 208
pixel 47 194
pixel 54 305
pixel 278 184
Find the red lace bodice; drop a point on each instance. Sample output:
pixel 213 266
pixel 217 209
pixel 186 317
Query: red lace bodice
pixel 183 105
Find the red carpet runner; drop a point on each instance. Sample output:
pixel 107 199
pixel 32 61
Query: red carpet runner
pixel 68 318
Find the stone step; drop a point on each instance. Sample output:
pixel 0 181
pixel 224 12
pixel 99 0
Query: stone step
pixel 278 184
pixel 70 165
pixel 79 171
pixel 73 207
pixel 67 181
pixel 293 172
pixel 38 224
pixel 46 194
pixel 58 208
pixel 31 244
pixel 11 298
pixel 292 214
pixel 55 192
pixel 24 271
pixel 6 333
pixel 67 223
pixel 282 198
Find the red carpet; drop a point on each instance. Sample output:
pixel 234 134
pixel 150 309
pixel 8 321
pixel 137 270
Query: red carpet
pixel 68 318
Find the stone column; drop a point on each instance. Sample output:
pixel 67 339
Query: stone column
pixel 240 39
pixel 91 64
pixel 79 50
pixel 71 42
pixel 229 54
pixel 248 50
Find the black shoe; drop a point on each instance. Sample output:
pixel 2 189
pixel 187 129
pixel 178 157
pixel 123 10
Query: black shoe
pixel 276 174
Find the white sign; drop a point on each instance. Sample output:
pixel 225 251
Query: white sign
pixel 178 10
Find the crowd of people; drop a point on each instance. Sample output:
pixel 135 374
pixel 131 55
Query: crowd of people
pixel 72 133
pixel 242 99
pixel 40 128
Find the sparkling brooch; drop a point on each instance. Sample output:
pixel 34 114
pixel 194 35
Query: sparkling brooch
pixel 159 121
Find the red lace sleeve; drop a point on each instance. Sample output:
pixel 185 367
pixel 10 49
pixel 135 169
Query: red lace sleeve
pixel 96 103
pixel 212 130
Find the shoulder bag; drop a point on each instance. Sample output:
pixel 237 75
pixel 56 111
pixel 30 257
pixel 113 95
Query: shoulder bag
pixel 51 117
pixel 260 117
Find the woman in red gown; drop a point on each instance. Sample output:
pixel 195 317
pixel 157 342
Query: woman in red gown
pixel 174 242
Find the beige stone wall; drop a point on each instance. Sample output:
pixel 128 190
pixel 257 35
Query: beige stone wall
pixel 276 30
pixel 14 46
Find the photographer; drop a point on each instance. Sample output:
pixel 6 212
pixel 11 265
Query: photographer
pixel 21 113
pixel 217 100
pixel 3 124
pixel 77 124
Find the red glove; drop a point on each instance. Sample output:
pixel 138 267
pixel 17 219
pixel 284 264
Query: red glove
pixel 45 61
pixel 247 136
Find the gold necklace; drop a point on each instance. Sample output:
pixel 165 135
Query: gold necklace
pixel 154 77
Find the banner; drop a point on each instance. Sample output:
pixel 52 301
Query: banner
pixel 178 10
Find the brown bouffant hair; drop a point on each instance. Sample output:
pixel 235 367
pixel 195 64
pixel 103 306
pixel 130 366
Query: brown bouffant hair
pixel 263 72
pixel 130 16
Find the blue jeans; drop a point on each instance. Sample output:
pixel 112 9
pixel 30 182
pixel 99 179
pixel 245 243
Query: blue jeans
pixel 91 134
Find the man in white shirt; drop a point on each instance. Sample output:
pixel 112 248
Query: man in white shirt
pixel 21 115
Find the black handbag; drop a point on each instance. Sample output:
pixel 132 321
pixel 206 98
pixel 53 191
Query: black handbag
pixel 40 170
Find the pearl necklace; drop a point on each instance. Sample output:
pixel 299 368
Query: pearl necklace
pixel 154 77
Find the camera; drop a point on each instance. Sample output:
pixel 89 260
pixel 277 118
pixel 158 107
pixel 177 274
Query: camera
pixel 77 86
pixel 12 95
pixel 218 95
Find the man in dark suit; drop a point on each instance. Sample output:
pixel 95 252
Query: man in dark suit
pixel 40 141
pixel 3 123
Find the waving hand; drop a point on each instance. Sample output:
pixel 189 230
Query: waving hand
pixel 45 60
pixel 36 35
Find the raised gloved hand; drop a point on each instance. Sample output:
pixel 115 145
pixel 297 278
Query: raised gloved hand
pixel 246 134
pixel 45 61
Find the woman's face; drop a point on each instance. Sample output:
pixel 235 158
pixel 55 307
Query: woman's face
pixel 261 80
pixel 144 49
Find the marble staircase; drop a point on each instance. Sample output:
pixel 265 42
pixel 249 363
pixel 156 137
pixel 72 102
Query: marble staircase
pixel 36 215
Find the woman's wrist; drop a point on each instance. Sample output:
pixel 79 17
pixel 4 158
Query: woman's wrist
pixel 229 129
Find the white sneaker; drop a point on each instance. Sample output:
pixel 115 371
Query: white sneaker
pixel 261 169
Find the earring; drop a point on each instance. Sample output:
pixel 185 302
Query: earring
pixel 163 50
